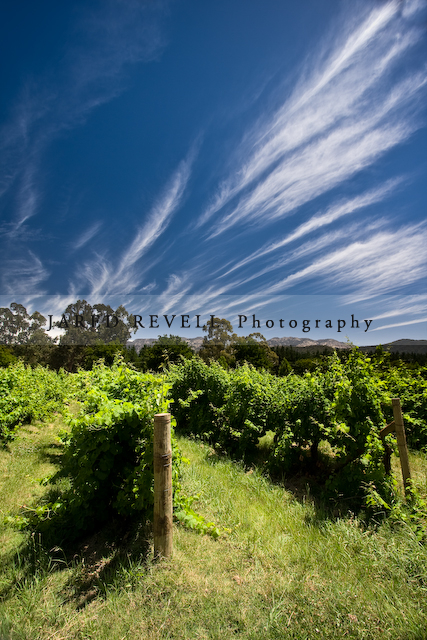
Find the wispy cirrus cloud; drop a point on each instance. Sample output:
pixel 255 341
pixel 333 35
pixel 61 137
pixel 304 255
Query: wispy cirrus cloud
pixel 383 263
pixel 357 99
pixel 86 236
pixel 314 250
pixel 345 207
pixel 89 75
pixel 353 107
pixel 345 115
pixel 403 323
pixel 123 275
pixel 406 310
pixel 159 217
pixel 23 275
pixel 399 305
pixel 28 197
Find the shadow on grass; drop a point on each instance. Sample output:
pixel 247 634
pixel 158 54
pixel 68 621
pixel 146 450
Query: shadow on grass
pixel 98 560
pixel 51 452
pixel 105 559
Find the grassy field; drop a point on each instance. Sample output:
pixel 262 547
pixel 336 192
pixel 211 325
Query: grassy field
pixel 282 570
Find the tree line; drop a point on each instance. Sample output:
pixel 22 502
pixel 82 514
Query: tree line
pixel 23 336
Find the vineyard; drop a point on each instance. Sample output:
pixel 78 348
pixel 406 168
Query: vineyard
pixel 298 452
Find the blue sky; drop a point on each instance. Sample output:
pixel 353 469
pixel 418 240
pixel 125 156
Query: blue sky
pixel 229 157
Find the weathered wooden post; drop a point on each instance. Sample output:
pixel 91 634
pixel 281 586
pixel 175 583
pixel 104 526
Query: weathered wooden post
pixel 401 441
pixel 162 524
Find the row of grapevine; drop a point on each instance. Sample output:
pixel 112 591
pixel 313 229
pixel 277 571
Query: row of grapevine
pixel 340 410
pixel 411 387
pixel 107 463
pixel 325 423
pixel 28 394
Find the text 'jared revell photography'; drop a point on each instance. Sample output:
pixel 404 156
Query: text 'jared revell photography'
pixel 186 321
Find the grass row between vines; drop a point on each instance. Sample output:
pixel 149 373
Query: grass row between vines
pixel 284 570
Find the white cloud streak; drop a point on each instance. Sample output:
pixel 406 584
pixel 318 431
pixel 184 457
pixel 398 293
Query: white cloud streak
pixel 158 218
pixel 399 305
pixel 86 236
pixel 336 123
pixel 404 323
pixel 413 7
pixel 22 276
pixel 309 250
pixel 387 261
pixel 105 278
pixel 124 32
pixel 319 220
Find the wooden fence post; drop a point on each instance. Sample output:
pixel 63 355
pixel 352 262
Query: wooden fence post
pixel 401 441
pixel 162 524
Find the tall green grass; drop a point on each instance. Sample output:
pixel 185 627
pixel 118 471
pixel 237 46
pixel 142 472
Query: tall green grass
pixel 283 570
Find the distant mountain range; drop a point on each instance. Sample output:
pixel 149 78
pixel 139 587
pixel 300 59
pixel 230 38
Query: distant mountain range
pixel 306 342
pixel 401 346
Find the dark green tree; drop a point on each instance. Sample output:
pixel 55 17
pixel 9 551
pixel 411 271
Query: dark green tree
pixel 284 368
pixel 105 352
pixel 18 327
pixel 305 364
pixel 167 349
pixel 220 331
pixel 85 324
pixel 254 349
pixel 217 343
